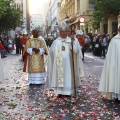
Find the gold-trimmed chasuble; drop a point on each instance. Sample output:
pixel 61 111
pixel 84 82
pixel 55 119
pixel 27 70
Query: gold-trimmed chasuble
pixel 35 61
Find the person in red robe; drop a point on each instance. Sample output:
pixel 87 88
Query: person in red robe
pixel 2 50
pixel 23 41
pixel 80 37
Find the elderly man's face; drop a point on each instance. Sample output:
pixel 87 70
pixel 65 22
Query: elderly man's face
pixel 63 33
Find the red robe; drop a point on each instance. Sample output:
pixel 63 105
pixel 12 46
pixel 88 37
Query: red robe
pixel 1 47
pixel 82 42
pixel 23 41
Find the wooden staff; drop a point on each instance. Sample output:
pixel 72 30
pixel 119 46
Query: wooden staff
pixel 72 38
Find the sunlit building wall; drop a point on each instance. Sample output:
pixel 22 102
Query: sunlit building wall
pixel 47 19
pixel 74 9
pixel 27 17
pixel 55 16
pixel 36 21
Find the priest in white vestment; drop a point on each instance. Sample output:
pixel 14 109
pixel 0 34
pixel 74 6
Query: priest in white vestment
pixel 60 63
pixel 1 70
pixel 110 79
pixel 34 50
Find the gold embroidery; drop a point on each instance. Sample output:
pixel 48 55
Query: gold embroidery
pixel 60 67
pixel 35 61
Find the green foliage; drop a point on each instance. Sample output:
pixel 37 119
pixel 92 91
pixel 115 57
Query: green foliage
pixel 10 17
pixel 106 8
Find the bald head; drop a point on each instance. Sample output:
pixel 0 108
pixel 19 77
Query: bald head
pixel 35 33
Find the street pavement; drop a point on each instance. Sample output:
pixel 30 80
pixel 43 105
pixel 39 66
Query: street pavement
pixel 19 101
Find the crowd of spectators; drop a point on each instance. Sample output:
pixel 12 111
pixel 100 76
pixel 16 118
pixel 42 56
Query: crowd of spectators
pixel 6 45
pixel 97 43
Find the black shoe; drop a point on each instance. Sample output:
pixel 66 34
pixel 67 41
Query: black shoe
pixel 3 56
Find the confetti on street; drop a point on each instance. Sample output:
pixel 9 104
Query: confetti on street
pixel 19 101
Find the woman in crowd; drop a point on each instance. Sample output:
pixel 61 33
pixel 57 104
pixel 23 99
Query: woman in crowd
pixel 104 45
pixel 10 44
pixel 97 42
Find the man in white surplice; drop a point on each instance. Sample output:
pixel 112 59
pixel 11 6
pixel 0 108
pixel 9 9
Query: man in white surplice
pixel 110 79
pixel 60 64
pixel 34 51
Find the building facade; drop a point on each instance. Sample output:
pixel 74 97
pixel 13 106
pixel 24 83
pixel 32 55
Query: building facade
pixel 47 19
pixel 23 27
pixel 73 10
pixel 110 26
pixel 55 16
pixel 22 5
pixel 27 16
pixel 36 21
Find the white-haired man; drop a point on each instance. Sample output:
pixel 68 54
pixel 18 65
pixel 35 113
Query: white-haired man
pixel 60 63
pixel 110 79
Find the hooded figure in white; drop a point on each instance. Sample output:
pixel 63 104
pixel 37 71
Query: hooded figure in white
pixel 60 63
pixel 110 79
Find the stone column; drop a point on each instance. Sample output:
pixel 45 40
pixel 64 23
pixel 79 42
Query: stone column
pixel 75 6
pixel 119 19
pixel 89 28
pixel 77 27
pixel 87 4
pixel 93 29
pixel 84 30
pixel 110 26
pixel 101 26
pixel 81 27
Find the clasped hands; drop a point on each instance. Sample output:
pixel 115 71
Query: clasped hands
pixel 36 50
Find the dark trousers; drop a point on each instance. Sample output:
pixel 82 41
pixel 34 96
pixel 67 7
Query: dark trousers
pixel 18 50
pixel 83 53
pixel 93 48
pixel 103 50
